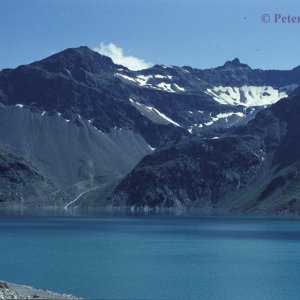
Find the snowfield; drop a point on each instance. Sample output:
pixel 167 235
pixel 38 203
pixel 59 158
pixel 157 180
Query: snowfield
pixel 248 95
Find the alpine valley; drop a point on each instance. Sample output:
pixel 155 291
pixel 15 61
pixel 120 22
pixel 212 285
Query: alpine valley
pixel 78 130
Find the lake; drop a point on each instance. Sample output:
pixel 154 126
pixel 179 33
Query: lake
pixel 184 256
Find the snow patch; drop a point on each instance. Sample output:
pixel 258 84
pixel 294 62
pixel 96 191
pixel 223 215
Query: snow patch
pixel 191 128
pixel 163 116
pixel 69 73
pixel 246 95
pixel 179 88
pixel 209 123
pixel 125 77
pixel 151 148
pixel 152 113
pixel 165 87
pixel 142 79
pixel 160 76
pixel 223 116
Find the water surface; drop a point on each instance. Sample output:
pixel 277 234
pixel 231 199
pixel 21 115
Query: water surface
pixel 187 256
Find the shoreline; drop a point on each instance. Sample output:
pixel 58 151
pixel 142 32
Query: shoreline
pixel 137 211
pixel 17 291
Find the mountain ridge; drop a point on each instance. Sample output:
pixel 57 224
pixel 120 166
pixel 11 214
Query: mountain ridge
pixel 84 121
pixel 254 167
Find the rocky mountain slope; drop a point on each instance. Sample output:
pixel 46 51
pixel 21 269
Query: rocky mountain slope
pixel 80 121
pixel 253 167
pixel 21 180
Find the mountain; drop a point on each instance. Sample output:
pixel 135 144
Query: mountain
pixel 78 121
pixel 230 95
pixel 255 167
pixel 20 180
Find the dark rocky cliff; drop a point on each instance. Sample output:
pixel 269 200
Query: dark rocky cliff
pixel 254 167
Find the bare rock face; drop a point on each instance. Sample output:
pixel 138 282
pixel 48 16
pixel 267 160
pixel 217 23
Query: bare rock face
pixel 254 167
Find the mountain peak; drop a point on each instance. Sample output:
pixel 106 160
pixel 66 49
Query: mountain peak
pixel 80 57
pixel 83 51
pixel 235 63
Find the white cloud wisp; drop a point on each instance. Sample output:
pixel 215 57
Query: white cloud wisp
pixel 118 57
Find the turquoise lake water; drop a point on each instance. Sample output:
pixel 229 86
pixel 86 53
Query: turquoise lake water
pixel 153 257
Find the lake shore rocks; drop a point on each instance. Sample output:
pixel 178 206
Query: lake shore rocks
pixel 16 291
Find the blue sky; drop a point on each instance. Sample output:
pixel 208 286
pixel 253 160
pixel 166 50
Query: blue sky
pixel 198 33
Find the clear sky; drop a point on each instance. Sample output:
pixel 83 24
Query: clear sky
pixel 199 33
